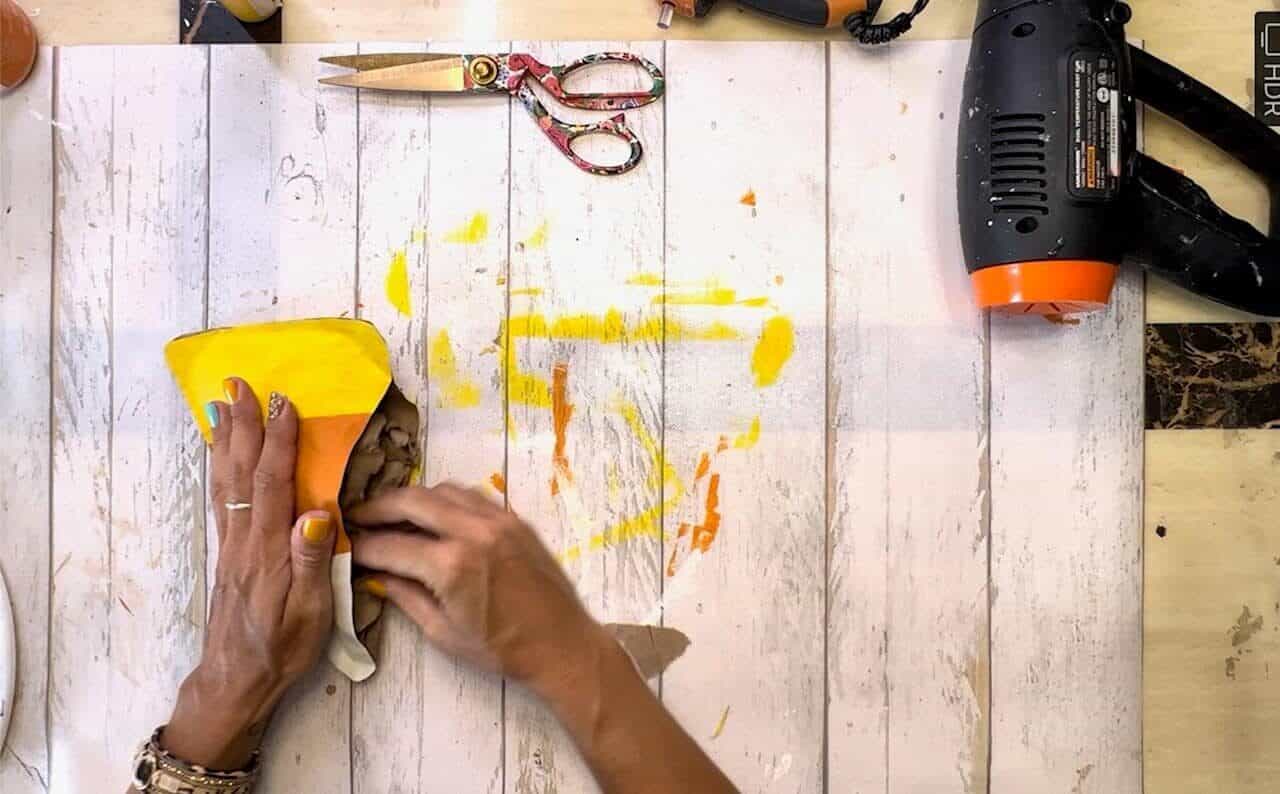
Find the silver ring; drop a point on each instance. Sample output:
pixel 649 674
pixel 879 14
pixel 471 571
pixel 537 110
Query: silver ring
pixel 237 505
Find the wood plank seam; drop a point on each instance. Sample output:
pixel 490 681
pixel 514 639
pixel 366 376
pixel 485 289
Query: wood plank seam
pixel 55 57
pixel 662 384
pixel 507 417
pixel 828 436
pixel 356 312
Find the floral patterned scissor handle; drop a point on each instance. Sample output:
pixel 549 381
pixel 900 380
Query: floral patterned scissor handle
pixel 515 70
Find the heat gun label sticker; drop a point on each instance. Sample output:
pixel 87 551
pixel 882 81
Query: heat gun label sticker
pixel 1095 125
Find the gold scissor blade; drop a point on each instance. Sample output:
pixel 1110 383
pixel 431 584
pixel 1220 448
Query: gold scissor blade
pixel 382 60
pixel 399 72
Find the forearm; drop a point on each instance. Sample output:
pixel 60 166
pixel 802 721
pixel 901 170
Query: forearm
pixel 620 728
pixel 216 725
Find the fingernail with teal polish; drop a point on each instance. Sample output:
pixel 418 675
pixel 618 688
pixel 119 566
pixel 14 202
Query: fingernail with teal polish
pixel 211 411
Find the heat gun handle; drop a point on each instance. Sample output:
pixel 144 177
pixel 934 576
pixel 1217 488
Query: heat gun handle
pixel 818 13
pixel 1180 233
pixel 1212 116
pixel 1183 236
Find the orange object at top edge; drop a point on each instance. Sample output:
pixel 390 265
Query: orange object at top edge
pixel 1056 286
pixel 837 10
pixel 17 44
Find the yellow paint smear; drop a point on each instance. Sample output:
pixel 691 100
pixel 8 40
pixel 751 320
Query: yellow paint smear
pixel 645 280
pixel 716 296
pixel 398 282
pixel 748 439
pixel 708 292
pixel 612 328
pixel 419 235
pixel 456 391
pixel 630 413
pixel 538 238
pixel 647 523
pixel 613 480
pixel 533 291
pixel 473 231
pixel 774 348
pixel 523 388
pixel 724 717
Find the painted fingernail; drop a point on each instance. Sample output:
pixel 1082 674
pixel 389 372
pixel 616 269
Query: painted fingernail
pixel 372 586
pixel 229 389
pixel 211 412
pixel 315 530
pixel 275 405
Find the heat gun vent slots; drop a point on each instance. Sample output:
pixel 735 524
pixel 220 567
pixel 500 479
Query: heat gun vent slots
pixel 1018 175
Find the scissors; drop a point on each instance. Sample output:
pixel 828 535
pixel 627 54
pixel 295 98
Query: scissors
pixel 493 74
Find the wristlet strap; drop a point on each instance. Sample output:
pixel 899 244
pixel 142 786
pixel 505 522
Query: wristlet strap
pixel 155 771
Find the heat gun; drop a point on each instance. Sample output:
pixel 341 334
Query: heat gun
pixel 1053 192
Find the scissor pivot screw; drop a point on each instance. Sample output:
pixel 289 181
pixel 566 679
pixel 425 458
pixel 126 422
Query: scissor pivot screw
pixel 484 70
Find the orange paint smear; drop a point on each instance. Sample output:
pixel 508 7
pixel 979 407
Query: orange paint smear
pixel 704 465
pixel 671 561
pixel 498 482
pixel 703 535
pixel 748 198
pixel 561 413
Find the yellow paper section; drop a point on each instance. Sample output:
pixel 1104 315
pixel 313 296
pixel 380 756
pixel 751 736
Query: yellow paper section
pixel 327 367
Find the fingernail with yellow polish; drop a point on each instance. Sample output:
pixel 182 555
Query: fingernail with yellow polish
pixel 315 530
pixel 229 388
pixel 372 586
pixel 211 412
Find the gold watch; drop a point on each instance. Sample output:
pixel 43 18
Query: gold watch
pixel 155 771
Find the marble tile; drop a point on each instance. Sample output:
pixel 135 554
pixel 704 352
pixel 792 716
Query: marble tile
pixel 1213 376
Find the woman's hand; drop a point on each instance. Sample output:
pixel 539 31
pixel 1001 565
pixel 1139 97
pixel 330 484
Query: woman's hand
pixel 483 587
pixel 478 582
pixel 271 609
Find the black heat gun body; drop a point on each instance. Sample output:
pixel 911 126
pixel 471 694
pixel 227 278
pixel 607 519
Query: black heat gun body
pixel 1053 191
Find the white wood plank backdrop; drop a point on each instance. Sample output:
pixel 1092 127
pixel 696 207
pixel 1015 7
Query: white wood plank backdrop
pixel 926 573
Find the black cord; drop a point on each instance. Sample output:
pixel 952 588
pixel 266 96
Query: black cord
pixel 859 24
